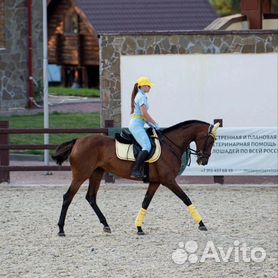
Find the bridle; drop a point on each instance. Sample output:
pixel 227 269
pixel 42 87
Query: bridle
pixel 204 154
pixel 199 153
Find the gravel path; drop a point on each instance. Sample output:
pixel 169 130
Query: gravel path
pixel 235 215
pixel 61 104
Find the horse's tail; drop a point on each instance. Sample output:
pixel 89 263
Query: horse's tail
pixel 63 151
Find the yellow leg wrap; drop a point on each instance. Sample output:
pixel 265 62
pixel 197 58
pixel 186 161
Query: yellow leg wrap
pixel 140 217
pixel 194 213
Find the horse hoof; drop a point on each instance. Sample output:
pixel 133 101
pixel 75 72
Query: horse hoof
pixel 61 234
pixel 203 228
pixel 107 229
pixel 140 233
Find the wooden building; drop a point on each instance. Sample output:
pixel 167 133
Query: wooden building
pixel 74 26
pixel 72 45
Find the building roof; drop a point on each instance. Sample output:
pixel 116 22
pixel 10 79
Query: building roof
pixel 119 16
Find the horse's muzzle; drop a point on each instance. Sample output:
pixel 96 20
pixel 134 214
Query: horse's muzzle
pixel 202 160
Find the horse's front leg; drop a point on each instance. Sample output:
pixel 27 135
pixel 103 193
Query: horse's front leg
pixel 142 213
pixel 174 187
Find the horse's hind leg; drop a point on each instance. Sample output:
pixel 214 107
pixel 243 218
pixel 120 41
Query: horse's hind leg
pixel 142 213
pixel 67 198
pixel 94 183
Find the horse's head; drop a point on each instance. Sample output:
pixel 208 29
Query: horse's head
pixel 204 143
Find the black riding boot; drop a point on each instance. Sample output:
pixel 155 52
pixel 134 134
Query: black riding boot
pixel 137 169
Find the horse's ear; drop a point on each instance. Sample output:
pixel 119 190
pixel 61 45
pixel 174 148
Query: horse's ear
pixel 214 129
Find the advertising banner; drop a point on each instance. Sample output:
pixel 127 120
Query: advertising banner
pixel 240 151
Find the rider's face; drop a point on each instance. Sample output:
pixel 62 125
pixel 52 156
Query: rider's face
pixel 145 89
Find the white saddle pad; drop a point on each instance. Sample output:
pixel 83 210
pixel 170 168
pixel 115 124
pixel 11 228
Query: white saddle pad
pixel 125 151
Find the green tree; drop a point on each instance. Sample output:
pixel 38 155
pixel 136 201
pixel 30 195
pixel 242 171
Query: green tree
pixel 274 6
pixel 226 7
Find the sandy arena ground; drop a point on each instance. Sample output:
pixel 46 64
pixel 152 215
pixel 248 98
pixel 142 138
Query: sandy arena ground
pixel 237 217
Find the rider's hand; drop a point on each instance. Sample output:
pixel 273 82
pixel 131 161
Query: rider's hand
pixel 156 126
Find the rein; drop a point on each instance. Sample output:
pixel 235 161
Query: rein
pixel 198 153
pixel 181 149
pixel 173 143
pixel 191 151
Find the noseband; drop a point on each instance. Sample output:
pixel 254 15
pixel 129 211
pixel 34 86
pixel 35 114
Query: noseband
pixel 203 154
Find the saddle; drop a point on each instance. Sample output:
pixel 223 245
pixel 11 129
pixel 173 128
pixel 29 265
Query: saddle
pixel 127 147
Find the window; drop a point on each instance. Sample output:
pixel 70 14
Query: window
pixel 2 24
pixel 71 24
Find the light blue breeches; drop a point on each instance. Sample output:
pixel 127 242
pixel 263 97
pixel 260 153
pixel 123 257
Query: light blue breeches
pixel 136 127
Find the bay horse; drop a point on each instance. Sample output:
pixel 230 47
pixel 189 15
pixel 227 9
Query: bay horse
pixel 91 156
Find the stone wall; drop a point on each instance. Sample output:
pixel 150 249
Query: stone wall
pixel 203 42
pixel 14 55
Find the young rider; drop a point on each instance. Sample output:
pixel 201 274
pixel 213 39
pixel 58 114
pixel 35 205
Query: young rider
pixel 140 116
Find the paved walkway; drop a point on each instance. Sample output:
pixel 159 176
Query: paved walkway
pixel 61 104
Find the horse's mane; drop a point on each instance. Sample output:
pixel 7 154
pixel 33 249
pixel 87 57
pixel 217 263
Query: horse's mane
pixel 184 124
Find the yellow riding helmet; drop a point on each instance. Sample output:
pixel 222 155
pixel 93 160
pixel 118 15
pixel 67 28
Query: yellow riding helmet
pixel 144 81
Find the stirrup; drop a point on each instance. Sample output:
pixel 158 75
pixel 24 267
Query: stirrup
pixel 137 175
